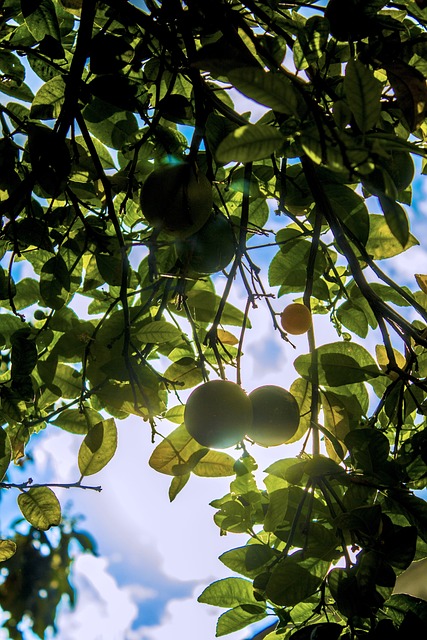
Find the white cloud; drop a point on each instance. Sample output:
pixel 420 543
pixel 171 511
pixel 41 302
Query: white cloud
pixel 186 619
pixel 103 611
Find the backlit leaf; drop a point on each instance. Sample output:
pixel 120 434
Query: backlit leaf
pixel 396 219
pixel 239 617
pixel 177 485
pixel 382 243
pixel 98 447
pixel 158 332
pixel 337 364
pixel 421 281
pixel 273 90
pixel 48 101
pixel 40 507
pixel 229 592
pixel 249 143
pixel 175 450
pixel 363 92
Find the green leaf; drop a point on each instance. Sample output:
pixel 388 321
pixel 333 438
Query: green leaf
pixel 7 549
pixel 399 604
pixel 158 331
pixel 5 452
pixel 276 511
pixel 177 484
pixel 98 447
pixel 77 421
pixel 40 18
pixel 396 218
pixel 48 101
pixel 288 268
pixel 23 354
pixel 369 449
pixel 366 520
pixel 229 592
pixel 249 143
pixel 40 507
pixel 61 379
pixel 109 124
pixel 185 373
pixel 203 305
pixel 9 325
pixel 215 464
pixel 175 414
pixel 27 293
pixel 363 92
pixel 350 208
pixel 55 283
pixel 7 286
pixel 413 508
pixel 338 363
pixel 173 451
pixel 293 579
pixel 302 392
pixel 274 90
pixel 250 559
pixel 238 618
pixel 110 267
pixel 382 243
pixel 329 630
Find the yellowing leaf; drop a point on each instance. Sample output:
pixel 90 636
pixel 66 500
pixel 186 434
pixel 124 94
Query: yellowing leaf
pixel 98 447
pixel 337 423
pixel 384 362
pixel 226 337
pixel 421 281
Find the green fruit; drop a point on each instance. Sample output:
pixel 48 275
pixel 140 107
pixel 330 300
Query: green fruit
pixel 217 414
pixel 210 249
pixel 351 19
pixel 275 416
pixel 177 199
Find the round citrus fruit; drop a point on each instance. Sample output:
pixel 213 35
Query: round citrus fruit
pixel 296 319
pixel 211 248
pixel 275 416
pixel 177 199
pixel 217 414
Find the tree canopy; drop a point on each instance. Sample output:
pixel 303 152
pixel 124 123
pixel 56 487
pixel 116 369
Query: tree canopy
pixel 133 170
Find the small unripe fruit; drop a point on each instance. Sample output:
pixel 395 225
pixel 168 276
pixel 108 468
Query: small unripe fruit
pixel 177 199
pixel 296 319
pixel 275 416
pixel 218 414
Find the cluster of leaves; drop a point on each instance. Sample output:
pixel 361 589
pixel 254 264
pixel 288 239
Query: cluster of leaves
pixel 35 575
pixel 122 91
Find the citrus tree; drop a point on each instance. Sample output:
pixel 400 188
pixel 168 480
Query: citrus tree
pixel 132 172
